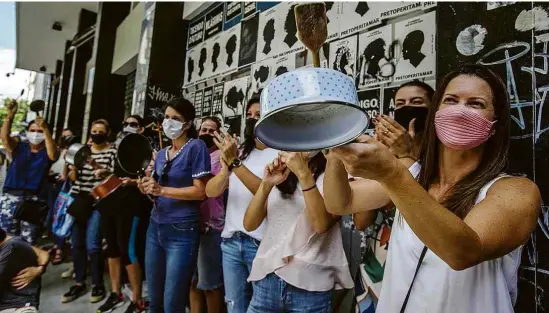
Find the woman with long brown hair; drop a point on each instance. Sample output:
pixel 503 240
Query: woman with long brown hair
pixel 461 222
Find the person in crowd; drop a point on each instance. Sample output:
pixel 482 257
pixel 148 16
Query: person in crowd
pixel 120 226
pixel 403 136
pixel 58 176
pixel 178 182
pixel 301 257
pixel 86 236
pixel 27 174
pixel 21 266
pixel 208 281
pixel 458 221
pixel 239 246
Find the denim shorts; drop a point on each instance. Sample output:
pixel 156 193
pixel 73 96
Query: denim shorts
pixel 209 272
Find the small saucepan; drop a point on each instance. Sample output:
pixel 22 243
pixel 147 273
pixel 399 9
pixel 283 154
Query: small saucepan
pixel 134 153
pixel 78 155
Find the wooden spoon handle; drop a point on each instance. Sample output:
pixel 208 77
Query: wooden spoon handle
pixel 316 58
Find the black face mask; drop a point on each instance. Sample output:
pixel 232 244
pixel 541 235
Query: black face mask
pixel 249 129
pixel 208 140
pixel 404 115
pixel 99 138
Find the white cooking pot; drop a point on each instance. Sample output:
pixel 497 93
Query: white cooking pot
pixel 310 109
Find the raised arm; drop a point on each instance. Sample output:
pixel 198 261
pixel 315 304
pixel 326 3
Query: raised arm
pixel 51 146
pixel 343 197
pixel 494 227
pixel 5 134
pixel 257 209
pixel 315 208
pixel 219 183
pixel 228 145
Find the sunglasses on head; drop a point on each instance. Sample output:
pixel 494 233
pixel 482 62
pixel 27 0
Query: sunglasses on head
pixel 131 124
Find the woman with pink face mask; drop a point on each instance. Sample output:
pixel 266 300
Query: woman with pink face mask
pixel 460 226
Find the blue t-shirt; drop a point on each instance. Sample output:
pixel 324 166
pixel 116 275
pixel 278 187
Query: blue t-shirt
pixel 193 161
pixel 27 170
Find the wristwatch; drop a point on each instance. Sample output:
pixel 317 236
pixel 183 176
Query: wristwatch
pixel 235 164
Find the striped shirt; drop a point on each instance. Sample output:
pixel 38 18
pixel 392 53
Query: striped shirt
pixel 86 180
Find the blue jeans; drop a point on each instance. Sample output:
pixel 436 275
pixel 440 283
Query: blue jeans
pixel 8 203
pixel 86 241
pixel 209 269
pixel 238 254
pixel 170 260
pixel 273 295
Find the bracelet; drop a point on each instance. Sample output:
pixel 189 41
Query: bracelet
pixel 309 189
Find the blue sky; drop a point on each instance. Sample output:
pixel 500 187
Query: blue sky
pixel 7 25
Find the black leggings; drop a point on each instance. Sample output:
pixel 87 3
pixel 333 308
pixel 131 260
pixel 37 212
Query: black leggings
pixel 120 231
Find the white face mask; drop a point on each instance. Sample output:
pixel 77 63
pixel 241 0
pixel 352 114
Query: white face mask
pixel 172 128
pixel 129 129
pixel 35 138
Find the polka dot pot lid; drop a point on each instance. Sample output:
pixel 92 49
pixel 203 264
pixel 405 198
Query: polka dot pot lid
pixel 310 109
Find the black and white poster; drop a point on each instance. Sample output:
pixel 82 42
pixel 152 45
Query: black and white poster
pixel 234 96
pixel 359 16
pixel 191 67
pixel 213 22
pixel 389 106
pixel 491 5
pixel 332 13
pixel 278 32
pixel 207 99
pixel 369 100
pixel 229 46
pixel 343 55
pixel 198 102
pixel 374 57
pixel 217 101
pixel 203 54
pixel 196 33
pixel 394 9
pixel 264 71
pixel 249 8
pixel 417 55
pixel 233 9
pixel 248 40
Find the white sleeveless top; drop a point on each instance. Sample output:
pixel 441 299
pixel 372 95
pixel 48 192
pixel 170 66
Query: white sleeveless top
pixel 489 287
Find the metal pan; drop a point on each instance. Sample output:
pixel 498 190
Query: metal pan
pixel 134 153
pixel 310 109
pixel 78 155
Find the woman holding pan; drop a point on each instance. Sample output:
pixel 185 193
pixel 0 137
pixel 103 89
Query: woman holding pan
pixel 241 173
pixel 178 183
pixel 461 221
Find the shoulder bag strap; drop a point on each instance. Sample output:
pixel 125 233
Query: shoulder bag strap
pixel 414 279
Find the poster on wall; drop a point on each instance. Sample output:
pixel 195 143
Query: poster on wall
pixel 394 9
pixel 491 5
pixel 234 100
pixel 374 61
pixel 229 47
pixel 263 72
pixel 207 99
pixel 213 22
pixel 249 8
pixel 190 68
pixel 196 33
pixel 343 55
pixel 417 56
pixel 233 11
pixel 278 32
pixel 359 16
pixel 369 100
pixel 203 55
pixel 332 14
pixel 248 40
pixel 217 102
pixel 198 102
pixel 388 107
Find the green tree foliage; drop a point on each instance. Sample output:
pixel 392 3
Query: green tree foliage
pixel 20 117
